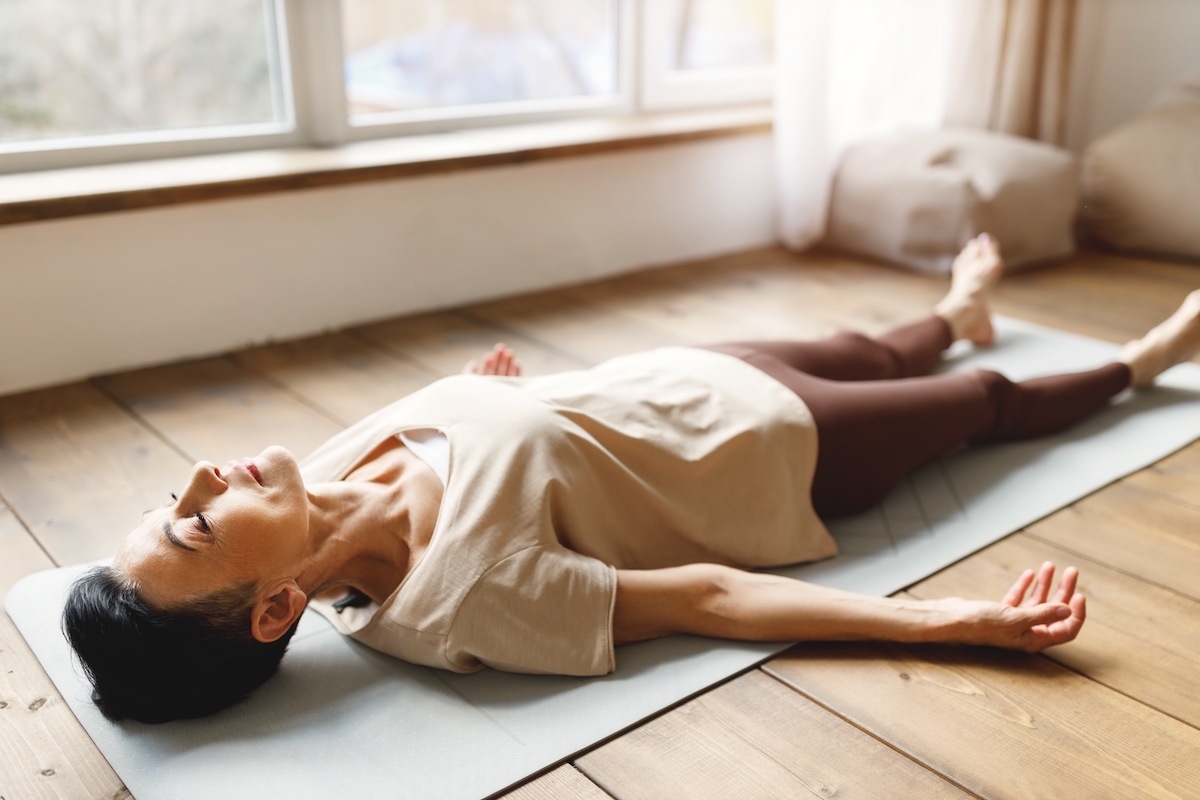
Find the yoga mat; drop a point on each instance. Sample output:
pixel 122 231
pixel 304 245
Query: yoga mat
pixel 340 720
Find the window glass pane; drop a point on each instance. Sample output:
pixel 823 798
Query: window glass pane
pixel 410 54
pixel 80 67
pixel 719 34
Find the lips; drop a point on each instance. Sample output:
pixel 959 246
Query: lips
pixel 253 470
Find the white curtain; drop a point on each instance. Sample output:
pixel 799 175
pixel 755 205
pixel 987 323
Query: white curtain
pixel 850 70
pixel 1011 66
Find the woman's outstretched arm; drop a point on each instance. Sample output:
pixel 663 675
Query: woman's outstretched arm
pixel 727 603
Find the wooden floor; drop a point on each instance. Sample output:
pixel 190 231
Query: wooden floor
pixel 1114 714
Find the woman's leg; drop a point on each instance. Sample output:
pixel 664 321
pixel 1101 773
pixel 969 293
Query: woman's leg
pixel 908 351
pixel 872 434
pixel 902 353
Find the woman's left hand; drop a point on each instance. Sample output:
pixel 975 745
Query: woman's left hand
pixel 1027 618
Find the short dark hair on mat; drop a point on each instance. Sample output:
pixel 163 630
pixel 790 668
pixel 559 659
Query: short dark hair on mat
pixel 156 666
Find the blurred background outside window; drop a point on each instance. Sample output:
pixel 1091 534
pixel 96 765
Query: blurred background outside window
pixel 71 68
pixel 410 54
pixel 85 81
pixel 719 34
pixel 706 52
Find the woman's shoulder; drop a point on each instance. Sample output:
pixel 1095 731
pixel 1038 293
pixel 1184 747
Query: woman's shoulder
pixel 439 406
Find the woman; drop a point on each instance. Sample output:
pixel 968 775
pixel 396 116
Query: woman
pixel 529 524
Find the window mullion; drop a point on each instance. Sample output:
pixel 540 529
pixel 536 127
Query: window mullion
pixel 628 54
pixel 315 35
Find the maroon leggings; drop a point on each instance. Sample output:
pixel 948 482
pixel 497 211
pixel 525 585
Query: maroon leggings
pixel 880 414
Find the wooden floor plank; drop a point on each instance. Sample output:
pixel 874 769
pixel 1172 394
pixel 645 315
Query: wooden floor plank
pixel 779 299
pixel 1134 531
pixel 339 373
pixel 19 552
pixel 754 737
pixel 827 292
pixel 564 783
pixel 588 332
pixel 79 470
pixel 217 410
pixel 998 723
pixel 1091 295
pixel 443 343
pixel 1176 477
pixel 1155 632
pixel 685 312
pixel 44 751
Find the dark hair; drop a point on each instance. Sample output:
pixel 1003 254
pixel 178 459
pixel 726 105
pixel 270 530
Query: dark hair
pixel 156 666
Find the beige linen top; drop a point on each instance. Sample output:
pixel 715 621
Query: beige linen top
pixel 673 456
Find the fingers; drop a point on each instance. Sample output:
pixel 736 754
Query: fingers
pixel 1017 593
pixel 1046 614
pixel 1061 631
pixel 500 360
pixel 1041 587
pixel 1078 615
pixel 505 361
pixel 1042 581
pixel 1066 585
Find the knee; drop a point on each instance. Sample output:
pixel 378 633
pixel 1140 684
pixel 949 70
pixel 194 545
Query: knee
pixel 1004 399
pixel 885 362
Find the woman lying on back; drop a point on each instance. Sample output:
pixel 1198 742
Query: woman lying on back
pixel 531 524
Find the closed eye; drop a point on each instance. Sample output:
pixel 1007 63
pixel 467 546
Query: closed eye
pixel 203 523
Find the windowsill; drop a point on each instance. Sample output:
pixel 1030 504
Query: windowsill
pixel 26 197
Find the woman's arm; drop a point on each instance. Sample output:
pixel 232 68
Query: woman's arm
pixel 727 603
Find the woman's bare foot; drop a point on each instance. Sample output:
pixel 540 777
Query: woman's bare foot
pixel 500 360
pixel 975 271
pixel 1172 341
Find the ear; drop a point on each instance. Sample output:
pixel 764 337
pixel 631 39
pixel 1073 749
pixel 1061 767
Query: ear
pixel 276 611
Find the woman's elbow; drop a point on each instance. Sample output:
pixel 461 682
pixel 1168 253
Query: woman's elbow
pixel 711 607
pixel 662 602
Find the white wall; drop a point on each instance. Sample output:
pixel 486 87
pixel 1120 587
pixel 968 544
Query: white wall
pixel 102 293
pixel 1126 51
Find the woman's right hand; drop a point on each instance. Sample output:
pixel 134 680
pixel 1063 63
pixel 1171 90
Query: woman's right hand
pixel 1027 618
pixel 500 360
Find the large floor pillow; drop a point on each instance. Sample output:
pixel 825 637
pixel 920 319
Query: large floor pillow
pixel 1141 182
pixel 916 198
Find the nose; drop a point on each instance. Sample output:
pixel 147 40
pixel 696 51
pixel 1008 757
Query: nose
pixel 206 481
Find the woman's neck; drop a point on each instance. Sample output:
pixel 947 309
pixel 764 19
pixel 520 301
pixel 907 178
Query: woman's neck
pixel 367 532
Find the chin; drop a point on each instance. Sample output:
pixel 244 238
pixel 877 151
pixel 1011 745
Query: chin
pixel 278 466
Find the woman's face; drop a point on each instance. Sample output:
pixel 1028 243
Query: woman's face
pixel 246 522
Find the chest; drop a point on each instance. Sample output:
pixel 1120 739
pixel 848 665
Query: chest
pixel 412 496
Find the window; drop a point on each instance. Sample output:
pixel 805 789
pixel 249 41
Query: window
pixel 405 56
pixel 706 52
pixel 114 75
pixel 91 82
pixel 421 64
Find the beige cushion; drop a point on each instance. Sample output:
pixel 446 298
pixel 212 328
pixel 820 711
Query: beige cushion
pixel 1141 182
pixel 916 198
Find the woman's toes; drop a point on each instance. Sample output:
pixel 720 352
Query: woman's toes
pixel 977 268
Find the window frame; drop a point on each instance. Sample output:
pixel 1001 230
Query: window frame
pixel 309 53
pixel 90 150
pixel 448 118
pixel 667 90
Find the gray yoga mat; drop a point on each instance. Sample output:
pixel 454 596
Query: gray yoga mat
pixel 340 720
